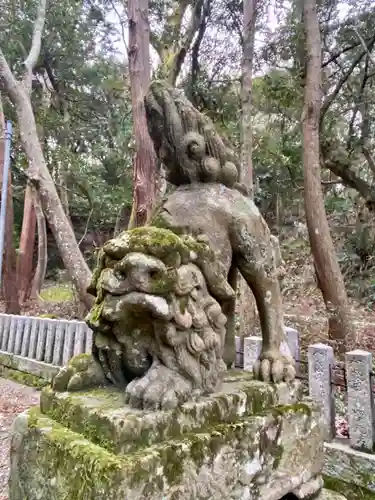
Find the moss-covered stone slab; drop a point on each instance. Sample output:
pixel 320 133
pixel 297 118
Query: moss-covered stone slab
pixel 351 469
pixel 102 415
pixel 330 495
pixel 28 366
pixel 23 378
pixel 257 457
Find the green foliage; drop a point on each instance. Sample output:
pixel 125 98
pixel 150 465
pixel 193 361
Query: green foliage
pixel 81 103
pixel 59 294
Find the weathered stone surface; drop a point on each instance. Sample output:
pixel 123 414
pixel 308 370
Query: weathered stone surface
pixel 126 428
pixel 262 456
pixel 321 359
pixel 163 318
pixel 344 464
pixel 360 399
pixel 160 315
pixel 26 365
pixel 307 490
pixel 330 495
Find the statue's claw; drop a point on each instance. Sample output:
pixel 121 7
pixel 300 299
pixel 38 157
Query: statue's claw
pixel 160 389
pixel 273 366
pixel 82 372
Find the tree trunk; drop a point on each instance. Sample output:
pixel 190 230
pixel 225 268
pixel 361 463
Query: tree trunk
pixel 19 91
pixel 41 268
pixel 41 179
pixel 26 250
pixel 139 69
pixel 249 11
pixel 246 306
pixel 12 304
pixel 326 264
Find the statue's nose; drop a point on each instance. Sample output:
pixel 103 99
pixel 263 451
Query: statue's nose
pixel 141 270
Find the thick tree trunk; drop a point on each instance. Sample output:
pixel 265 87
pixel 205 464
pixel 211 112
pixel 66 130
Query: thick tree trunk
pixel 12 304
pixel 246 306
pixel 41 179
pixel 326 264
pixel 26 250
pixel 139 69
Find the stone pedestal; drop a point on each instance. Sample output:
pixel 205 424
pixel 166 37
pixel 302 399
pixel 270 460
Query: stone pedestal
pixel 252 441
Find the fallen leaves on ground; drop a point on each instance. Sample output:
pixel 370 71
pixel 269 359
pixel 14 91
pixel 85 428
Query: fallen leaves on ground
pixel 14 399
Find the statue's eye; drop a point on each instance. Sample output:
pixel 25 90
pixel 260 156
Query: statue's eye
pixel 153 274
pixel 120 274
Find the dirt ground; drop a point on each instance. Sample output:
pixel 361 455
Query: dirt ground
pixel 14 399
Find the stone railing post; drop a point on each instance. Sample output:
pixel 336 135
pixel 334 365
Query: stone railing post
pixel 292 336
pixel 251 352
pixel 360 399
pixel 320 361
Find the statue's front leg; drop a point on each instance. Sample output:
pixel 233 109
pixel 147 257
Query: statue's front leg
pixel 256 261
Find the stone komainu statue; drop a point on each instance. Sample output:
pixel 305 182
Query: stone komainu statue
pixel 163 319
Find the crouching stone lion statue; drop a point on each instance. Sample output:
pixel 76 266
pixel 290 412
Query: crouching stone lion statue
pixel 163 319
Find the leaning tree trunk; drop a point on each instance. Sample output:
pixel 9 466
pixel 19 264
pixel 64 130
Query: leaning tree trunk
pixel 139 69
pixel 41 179
pixel 12 304
pixel 326 264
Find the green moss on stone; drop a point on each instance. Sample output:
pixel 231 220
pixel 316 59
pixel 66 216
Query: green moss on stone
pixel 294 408
pixel 71 412
pixel 95 313
pixel 80 362
pixel 350 491
pixel 89 467
pixel 95 414
pixel 24 378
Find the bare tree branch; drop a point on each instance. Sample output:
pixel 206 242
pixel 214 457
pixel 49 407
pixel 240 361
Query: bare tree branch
pixel 329 100
pixel 11 85
pixel 363 43
pixel 187 39
pixel 334 57
pixel 36 43
pixel 122 23
pixel 358 104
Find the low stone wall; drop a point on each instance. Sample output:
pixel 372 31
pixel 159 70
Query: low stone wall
pixel 40 346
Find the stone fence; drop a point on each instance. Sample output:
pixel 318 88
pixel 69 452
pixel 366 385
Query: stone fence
pixel 322 376
pixel 349 463
pixel 40 346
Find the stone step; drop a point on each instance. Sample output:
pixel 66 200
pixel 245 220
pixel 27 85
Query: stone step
pixel 86 412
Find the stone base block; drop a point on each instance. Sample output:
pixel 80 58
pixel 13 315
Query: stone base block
pixel 252 441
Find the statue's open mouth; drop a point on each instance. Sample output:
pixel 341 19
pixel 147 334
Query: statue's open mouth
pixel 137 303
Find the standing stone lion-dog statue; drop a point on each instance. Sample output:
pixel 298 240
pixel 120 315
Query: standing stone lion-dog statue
pixel 163 319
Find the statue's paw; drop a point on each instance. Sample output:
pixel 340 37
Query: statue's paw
pixel 160 389
pixel 82 372
pixel 273 366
